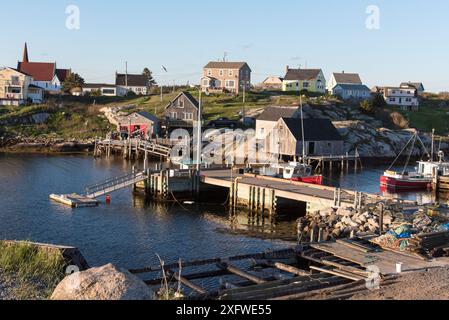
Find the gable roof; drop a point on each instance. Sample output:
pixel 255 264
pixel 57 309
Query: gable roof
pixel 62 74
pixel 276 78
pixel 188 96
pixel 40 71
pixel 274 113
pixel 98 85
pixel 302 74
pixel 347 78
pixel 226 65
pixel 138 117
pixel 314 129
pixel 353 87
pixel 416 85
pixel 134 80
pixel 18 71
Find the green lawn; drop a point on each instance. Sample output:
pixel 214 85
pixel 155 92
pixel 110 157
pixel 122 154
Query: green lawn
pixel 433 114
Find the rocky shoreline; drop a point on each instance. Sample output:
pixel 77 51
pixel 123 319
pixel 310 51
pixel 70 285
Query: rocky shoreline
pixel 44 145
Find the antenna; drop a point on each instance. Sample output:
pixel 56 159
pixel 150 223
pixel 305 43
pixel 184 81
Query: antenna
pixel 225 55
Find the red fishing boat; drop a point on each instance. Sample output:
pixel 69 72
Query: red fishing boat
pixel 293 171
pixel 422 178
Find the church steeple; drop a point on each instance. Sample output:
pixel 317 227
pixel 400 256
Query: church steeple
pixel 25 54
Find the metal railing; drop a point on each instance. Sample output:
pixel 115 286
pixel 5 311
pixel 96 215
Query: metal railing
pixel 114 184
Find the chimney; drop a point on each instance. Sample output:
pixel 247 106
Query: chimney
pixel 25 54
pixel 287 68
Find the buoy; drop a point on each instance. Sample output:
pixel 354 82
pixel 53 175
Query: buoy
pixel 108 199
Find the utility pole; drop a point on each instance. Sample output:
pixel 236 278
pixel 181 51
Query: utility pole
pixel 126 75
pixel 199 143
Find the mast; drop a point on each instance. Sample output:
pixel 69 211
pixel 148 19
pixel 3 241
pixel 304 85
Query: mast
pixel 432 152
pixel 303 137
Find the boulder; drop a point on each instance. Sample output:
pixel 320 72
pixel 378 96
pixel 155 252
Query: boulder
pixel 103 283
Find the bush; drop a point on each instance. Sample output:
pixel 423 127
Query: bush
pixel 367 107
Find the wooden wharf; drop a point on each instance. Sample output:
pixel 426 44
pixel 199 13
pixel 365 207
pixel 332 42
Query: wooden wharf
pixel 322 270
pixel 261 193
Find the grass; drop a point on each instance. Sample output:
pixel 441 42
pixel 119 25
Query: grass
pixel 433 114
pixel 80 117
pixel 38 270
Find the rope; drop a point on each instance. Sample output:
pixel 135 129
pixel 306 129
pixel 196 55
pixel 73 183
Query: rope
pixel 402 151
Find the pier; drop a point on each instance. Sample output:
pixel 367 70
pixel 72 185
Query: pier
pixel 262 193
pixel 134 148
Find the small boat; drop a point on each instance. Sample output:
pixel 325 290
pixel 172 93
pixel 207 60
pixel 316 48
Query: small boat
pixel 406 180
pixel 424 175
pixel 293 171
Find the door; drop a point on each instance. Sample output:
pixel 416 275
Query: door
pixel 311 148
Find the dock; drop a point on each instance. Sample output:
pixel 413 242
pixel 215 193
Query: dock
pixel 74 200
pixel 326 270
pixel 261 193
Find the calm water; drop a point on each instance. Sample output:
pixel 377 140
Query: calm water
pixel 129 232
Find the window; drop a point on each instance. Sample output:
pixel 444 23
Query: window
pixel 108 91
pixel 297 84
pixel 231 73
pixel 14 90
pixel 188 116
pixel 181 104
pixel 230 84
pixel 305 85
pixel 392 99
pixel 262 131
pixel 205 82
pixel 408 99
pixel 173 115
pixel 221 73
pixel 15 80
pixel 209 72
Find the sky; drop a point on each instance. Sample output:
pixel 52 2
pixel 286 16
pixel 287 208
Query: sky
pixel 410 43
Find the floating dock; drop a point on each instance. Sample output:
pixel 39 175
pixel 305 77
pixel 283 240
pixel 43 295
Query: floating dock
pixel 74 200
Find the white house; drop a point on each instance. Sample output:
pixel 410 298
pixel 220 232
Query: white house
pixel 16 88
pixel 406 98
pixel 45 74
pixel 348 86
pixel 414 85
pixel 108 90
pixel 137 83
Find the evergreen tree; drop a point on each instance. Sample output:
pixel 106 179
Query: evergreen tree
pixel 147 72
pixel 74 80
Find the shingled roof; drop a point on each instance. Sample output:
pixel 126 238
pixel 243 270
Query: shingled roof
pixel 274 113
pixel 347 78
pixel 225 65
pixel 40 71
pixel 302 74
pixel 314 129
pixel 134 80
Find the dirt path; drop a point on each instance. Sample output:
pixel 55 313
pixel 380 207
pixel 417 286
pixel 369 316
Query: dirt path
pixel 427 285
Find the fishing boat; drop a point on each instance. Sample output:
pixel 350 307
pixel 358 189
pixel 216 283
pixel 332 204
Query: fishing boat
pixel 422 177
pixel 293 171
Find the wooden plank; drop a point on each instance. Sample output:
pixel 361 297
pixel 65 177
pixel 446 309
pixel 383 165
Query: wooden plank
pixel 289 269
pixel 355 246
pixel 241 273
pixel 187 283
pixel 345 268
pixel 337 273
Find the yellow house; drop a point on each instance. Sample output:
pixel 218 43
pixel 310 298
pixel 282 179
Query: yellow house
pixel 311 80
pixel 16 88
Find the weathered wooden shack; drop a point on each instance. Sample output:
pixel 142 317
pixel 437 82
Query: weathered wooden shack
pixel 320 136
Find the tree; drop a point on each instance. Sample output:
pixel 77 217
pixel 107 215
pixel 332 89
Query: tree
pixel 366 106
pixel 74 80
pixel 379 101
pixel 147 72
